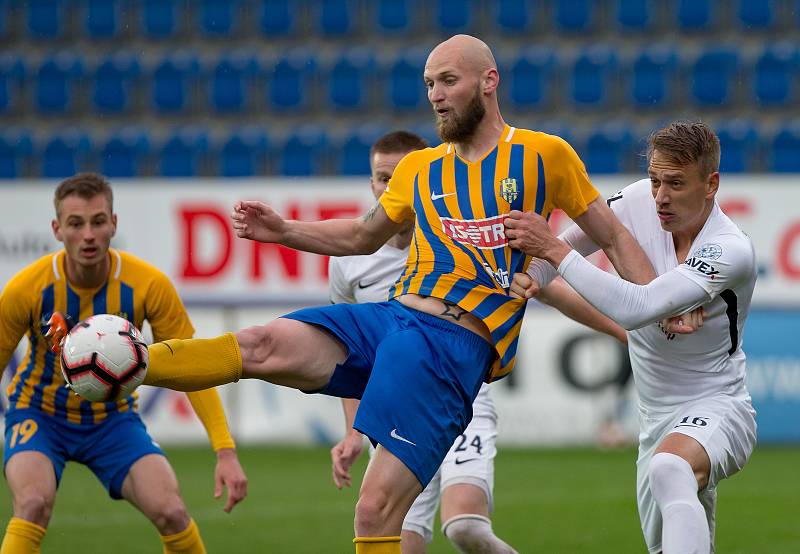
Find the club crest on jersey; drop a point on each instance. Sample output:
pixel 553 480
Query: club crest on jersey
pixel 486 234
pixel 708 251
pixel 508 189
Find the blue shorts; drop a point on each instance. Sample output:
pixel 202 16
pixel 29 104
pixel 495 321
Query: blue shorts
pixel 109 448
pixel 416 375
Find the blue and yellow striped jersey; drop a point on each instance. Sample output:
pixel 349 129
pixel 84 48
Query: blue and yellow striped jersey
pixel 460 252
pixel 135 290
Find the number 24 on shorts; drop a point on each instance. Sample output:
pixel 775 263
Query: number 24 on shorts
pixel 23 432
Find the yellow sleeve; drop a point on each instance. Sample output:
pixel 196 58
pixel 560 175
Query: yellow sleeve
pixel 208 407
pixel 573 189
pixel 169 320
pixel 398 199
pixel 165 311
pixel 15 318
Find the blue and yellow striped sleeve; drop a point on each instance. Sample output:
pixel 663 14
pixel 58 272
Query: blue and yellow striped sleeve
pixel 398 199
pixel 573 191
pixel 15 314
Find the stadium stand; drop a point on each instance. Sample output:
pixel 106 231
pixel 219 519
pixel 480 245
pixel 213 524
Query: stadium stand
pixel 340 65
pixel 125 152
pixel 16 147
pixel 65 153
pixel 182 154
pixel 243 153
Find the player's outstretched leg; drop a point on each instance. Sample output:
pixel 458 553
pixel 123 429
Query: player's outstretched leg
pixel 31 479
pixel 465 520
pixel 285 352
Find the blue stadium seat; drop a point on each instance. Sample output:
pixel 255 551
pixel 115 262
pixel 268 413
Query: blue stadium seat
pixel 592 76
pixel 4 8
pixel 304 152
pixel 101 18
pixel 46 18
pixel 230 81
pixel 558 128
pixel 694 15
pixel 653 75
pixel 353 158
pixel 114 82
pixel 713 76
pixel 244 153
pixel 55 82
pixel 337 18
pixel 405 89
pixel 292 80
pixel 575 16
pixel 15 150
pixel 12 75
pixel 513 15
pixel 173 82
pixel 125 153
pixel 635 15
pixel 775 73
pixel 608 148
pixel 784 147
pixel 428 132
pixel 756 14
pixel 183 152
pixel 351 80
pixel 66 153
pixel 395 16
pixel 738 141
pixel 218 18
pixel 160 18
pixel 454 16
pixel 278 17
pixel 532 75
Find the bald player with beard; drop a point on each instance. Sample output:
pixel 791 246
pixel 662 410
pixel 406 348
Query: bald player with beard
pixel 416 361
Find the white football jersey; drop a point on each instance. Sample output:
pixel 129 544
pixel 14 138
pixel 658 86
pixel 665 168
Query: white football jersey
pixel 359 279
pixel 672 369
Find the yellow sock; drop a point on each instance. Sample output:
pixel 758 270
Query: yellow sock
pixel 187 541
pixel 22 537
pixel 377 545
pixel 194 364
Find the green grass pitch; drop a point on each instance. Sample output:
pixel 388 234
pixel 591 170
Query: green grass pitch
pixel 554 501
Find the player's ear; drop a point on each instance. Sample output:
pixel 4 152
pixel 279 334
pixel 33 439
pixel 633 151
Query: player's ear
pixel 713 184
pixel 113 224
pixel 56 230
pixel 491 79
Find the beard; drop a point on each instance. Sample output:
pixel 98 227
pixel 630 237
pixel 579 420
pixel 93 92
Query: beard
pixel 461 127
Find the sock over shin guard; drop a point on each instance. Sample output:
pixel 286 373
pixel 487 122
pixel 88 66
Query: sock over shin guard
pixel 473 533
pixel 674 487
pixel 377 545
pixel 22 537
pixel 187 541
pixel 194 364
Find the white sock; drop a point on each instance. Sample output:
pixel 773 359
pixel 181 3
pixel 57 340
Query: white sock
pixel 674 488
pixel 472 534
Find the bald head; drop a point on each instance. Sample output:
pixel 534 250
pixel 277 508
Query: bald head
pixel 467 53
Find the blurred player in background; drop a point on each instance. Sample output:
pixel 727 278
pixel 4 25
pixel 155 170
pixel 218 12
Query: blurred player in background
pixel 465 479
pixel 417 362
pixel 46 426
pixel 697 423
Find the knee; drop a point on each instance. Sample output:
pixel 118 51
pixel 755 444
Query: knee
pixel 170 516
pixel 34 506
pixel 472 533
pixel 667 472
pixel 256 344
pixel 371 512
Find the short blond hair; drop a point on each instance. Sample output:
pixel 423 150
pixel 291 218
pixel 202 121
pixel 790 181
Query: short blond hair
pixel 687 142
pixel 85 185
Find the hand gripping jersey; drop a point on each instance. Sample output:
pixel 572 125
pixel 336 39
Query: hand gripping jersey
pixel 460 252
pixel 360 279
pixel 135 290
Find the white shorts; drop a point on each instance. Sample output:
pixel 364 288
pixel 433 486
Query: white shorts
pixel 725 426
pixel 471 461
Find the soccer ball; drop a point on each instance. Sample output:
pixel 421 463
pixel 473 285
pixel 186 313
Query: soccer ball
pixel 104 358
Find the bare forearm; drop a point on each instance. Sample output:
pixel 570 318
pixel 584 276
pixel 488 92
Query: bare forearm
pixel 350 407
pixel 333 237
pixel 566 300
pixel 629 259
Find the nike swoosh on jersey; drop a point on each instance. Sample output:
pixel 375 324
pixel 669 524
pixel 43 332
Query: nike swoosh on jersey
pixel 394 435
pixel 459 462
pixel 368 285
pixel 435 196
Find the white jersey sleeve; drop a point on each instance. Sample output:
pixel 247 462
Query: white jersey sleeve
pixel 340 289
pixel 719 265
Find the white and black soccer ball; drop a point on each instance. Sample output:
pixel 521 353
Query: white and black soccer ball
pixel 104 358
